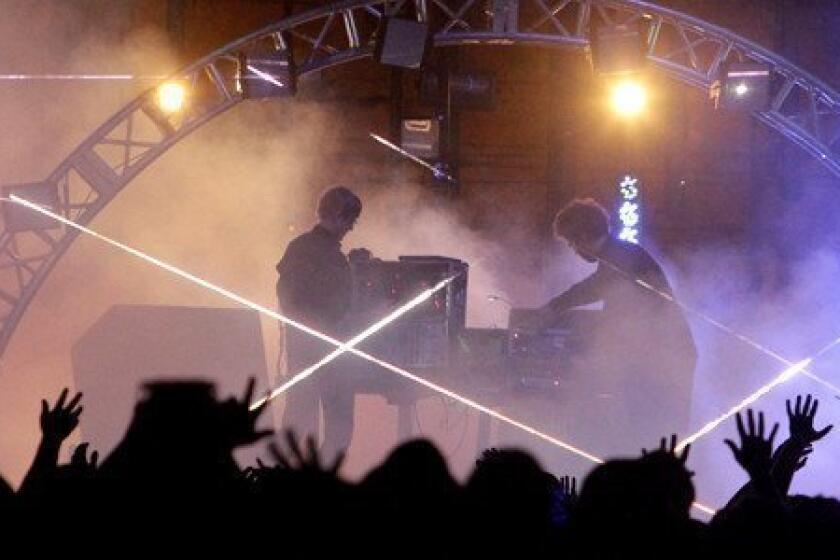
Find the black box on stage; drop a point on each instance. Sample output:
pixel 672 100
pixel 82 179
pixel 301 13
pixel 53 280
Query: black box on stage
pixel 424 337
pixel 131 345
pixel 542 359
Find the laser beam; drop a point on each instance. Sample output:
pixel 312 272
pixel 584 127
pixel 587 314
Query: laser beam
pixel 341 346
pixel 177 271
pixel 728 330
pixel 358 339
pixel 266 76
pixel 75 77
pixel 437 172
pixel 789 373
pixel 344 347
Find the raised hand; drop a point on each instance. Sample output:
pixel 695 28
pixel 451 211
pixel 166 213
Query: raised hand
pixel 79 462
pixel 59 422
pixel 801 421
pixel 488 455
pixel 568 488
pixel 255 474
pixel 300 461
pixel 56 425
pixel 756 451
pixel 670 449
pixel 239 421
pixel 564 500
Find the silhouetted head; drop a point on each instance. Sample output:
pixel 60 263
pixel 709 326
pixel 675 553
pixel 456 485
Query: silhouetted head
pixel 510 484
pixel 585 225
pixel 338 210
pixel 415 469
pixel 815 520
pixel 668 485
pixel 176 426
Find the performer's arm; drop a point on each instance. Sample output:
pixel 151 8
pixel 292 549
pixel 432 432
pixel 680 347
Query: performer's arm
pixel 589 290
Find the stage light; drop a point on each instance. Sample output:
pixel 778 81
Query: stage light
pixel 742 86
pixel 401 42
pixel 267 70
pixel 171 97
pixel 628 98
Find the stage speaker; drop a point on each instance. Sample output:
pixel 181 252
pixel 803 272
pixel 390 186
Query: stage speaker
pixel 131 345
pixel 401 42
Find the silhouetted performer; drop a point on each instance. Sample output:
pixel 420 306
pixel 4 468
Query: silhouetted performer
pixel 642 355
pixel 315 288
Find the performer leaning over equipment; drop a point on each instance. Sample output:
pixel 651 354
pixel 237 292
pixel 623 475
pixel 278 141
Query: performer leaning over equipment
pixel 643 354
pixel 315 287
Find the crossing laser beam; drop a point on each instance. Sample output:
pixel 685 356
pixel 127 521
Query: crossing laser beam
pixel 359 338
pixel 177 271
pixel 344 347
pixel 786 375
pixel 730 331
pixel 341 346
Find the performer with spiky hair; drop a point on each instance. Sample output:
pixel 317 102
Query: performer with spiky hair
pixel 643 353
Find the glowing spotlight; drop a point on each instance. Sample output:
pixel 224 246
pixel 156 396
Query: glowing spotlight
pixel 628 98
pixel 741 89
pixel 171 97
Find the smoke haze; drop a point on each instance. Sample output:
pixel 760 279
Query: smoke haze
pixel 224 202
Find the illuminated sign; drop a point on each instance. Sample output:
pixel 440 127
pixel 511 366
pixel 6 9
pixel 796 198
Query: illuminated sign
pixel 629 210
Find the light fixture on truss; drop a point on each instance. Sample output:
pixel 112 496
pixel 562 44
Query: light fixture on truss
pixel 742 86
pixel 266 70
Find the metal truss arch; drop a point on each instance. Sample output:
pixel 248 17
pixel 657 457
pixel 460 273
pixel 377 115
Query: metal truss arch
pixel 803 109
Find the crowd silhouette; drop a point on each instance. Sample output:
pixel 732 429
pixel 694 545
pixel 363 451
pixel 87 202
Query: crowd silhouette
pixel 173 473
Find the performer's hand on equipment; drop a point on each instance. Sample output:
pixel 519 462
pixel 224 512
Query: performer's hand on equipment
pixel 542 318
